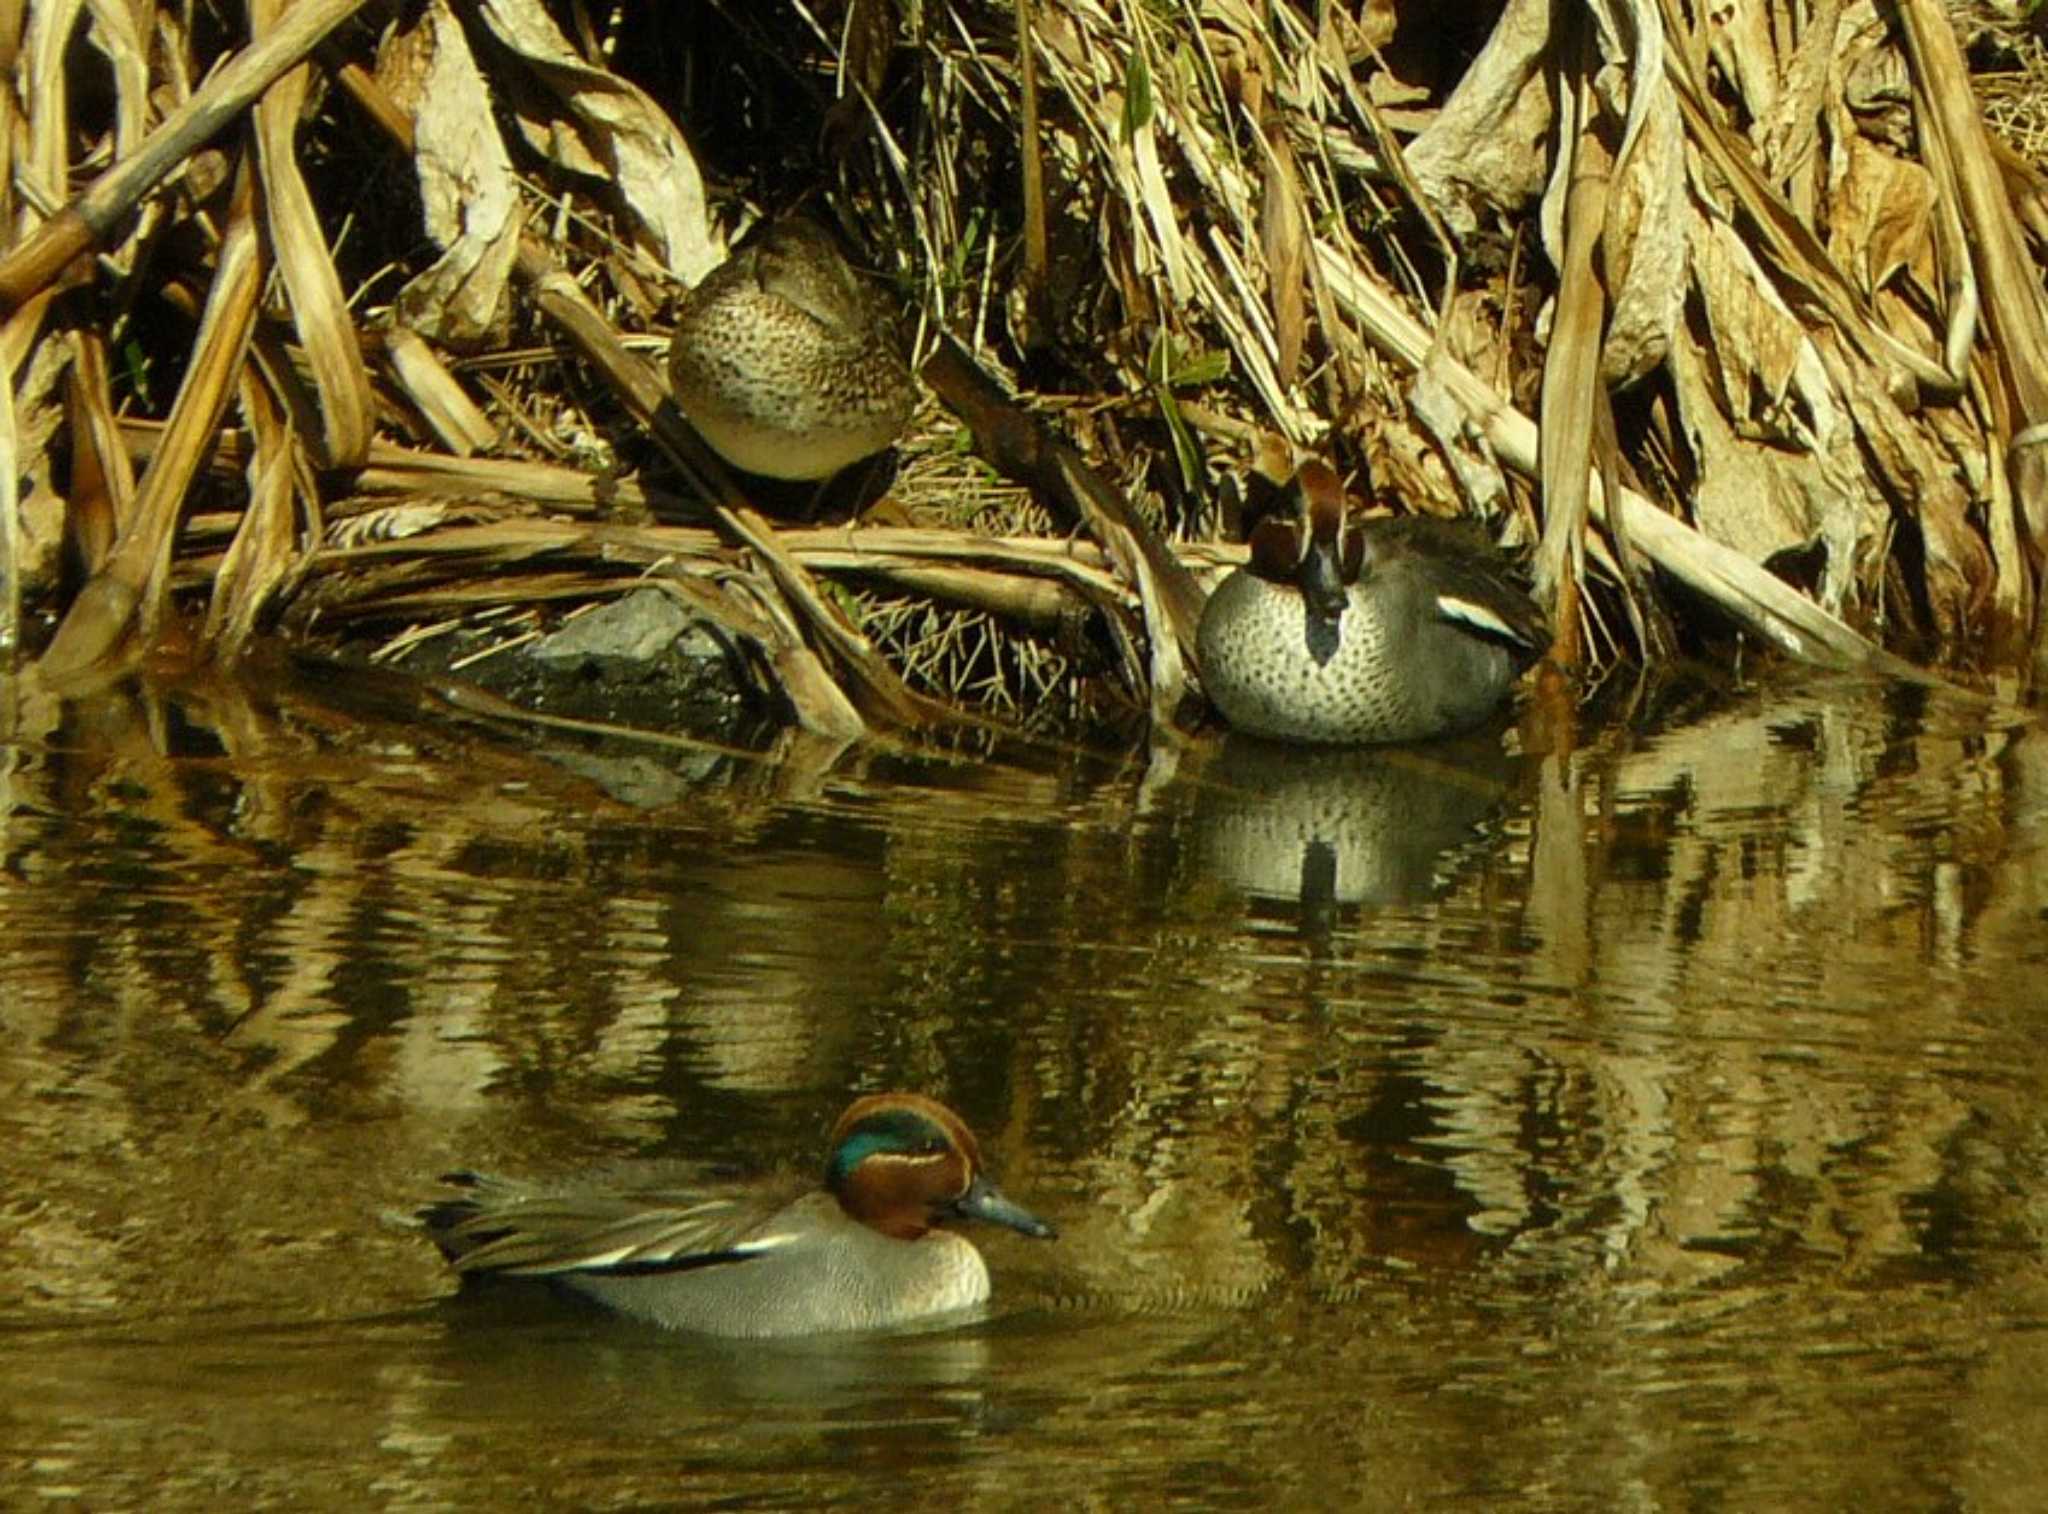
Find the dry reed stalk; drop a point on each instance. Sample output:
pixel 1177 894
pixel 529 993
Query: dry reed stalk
pixel 396 599
pixel 312 287
pixel 12 18
pixel 407 473
pixel 1036 256
pixel 455 420
pixel 10 531
pixel 102 475
pixel 1038 605
pixel 1969 177
pixel 94 216
pixel 1023 449
pixel 1571 366
pixel 262 557
pixel 128 593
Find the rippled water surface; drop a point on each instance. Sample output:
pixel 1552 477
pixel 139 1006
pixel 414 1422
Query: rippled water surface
pixel 1658 1119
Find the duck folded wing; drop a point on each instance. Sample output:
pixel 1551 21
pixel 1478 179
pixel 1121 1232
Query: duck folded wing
pixel 1475 583
pixel 517 1230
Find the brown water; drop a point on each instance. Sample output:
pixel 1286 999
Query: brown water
pixel 1665 1126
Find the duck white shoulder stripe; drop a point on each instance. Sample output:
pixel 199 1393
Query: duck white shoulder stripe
pixel 583 1260
pixel 645 1256
pixel 1476 615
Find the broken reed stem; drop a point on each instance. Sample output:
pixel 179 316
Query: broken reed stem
pixel 1037 583
pixel 1571 366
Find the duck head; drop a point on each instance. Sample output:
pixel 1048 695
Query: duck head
pixel 797 261
pixel 902 1163
pixel 1314 547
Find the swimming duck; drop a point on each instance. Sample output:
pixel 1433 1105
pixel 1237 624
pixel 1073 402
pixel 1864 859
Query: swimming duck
pixel 1342 629
pixel 782 362
pixel 863 1252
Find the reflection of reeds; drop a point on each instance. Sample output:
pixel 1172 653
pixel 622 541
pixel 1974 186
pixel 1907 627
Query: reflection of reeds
pixel 1796 311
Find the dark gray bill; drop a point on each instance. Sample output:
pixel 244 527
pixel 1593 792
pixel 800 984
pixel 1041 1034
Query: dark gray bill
pixel 981 1201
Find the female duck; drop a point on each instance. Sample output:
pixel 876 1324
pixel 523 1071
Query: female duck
pixel 1349 630
pixel 861 1253
pixel 782 362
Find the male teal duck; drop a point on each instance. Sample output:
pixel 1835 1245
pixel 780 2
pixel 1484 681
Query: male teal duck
pixel 1343 629
pixel 861 1253
pixel 781 358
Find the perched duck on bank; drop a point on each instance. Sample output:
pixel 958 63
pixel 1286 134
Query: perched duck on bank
pixel 1343 629
pixel 860 1253
pixel 782 360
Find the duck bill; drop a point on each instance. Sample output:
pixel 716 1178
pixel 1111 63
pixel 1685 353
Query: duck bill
pixel 981 1201
pixel 1321 580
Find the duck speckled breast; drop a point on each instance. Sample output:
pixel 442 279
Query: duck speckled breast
pixel 1258 670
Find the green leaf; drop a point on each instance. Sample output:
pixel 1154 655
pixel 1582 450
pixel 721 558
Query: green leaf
pixel 1166 371
pixel 1204 368
pixel 1167 366
pixel 136 363
pixel 1184 450
pixel 1137 97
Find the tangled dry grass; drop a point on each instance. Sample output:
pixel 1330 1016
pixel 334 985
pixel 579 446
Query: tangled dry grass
pixel 337 317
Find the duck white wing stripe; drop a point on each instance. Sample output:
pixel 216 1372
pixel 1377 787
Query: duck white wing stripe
pixel 1476 615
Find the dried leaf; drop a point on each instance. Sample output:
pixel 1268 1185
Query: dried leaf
pixel 1487 145
pixel 1739 41
pixel 1644 264
pixel 1882 217
pixel 1756 341
pixel 644 158
pixel 466 183
pixel 1283 232
pixel 1757 498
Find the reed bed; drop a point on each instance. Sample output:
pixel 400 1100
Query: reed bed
pixel 341 320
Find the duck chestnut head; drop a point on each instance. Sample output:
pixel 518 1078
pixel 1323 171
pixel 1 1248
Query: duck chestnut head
pixel 1312 544
pixel 901 1164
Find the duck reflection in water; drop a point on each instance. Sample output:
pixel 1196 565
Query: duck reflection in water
pixel 654 1240
pixel 1336 826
